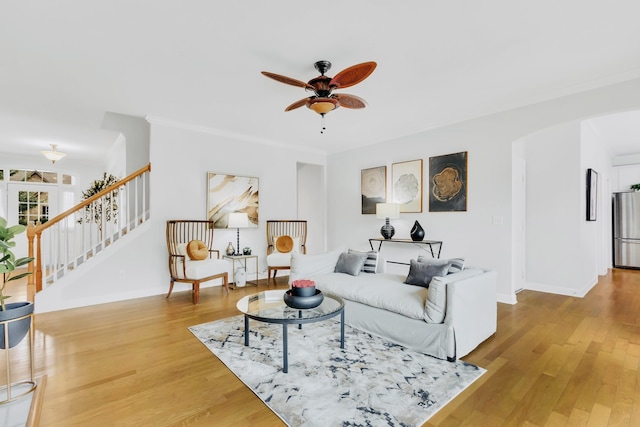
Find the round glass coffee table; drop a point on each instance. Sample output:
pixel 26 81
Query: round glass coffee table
pixel 269 307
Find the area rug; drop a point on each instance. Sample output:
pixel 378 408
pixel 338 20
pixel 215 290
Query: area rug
pixel 370 382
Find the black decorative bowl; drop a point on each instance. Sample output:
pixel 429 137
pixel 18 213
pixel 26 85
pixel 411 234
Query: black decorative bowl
pixel 307 291
pixel 299 302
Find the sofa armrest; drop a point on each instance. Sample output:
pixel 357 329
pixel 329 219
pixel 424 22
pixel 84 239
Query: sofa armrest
pixel 472 310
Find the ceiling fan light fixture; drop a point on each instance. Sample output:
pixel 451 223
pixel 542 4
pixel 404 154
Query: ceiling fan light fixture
pixel 53 155
pixel 323 105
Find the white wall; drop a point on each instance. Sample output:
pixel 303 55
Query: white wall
pixel 553 195
pixel 596 235
pixel 630 159
pixel 625 176
pixel 564 252
pixel 181 157
pixel 136 134
pixel 488 141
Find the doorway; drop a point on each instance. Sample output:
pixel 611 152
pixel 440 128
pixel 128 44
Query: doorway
pixel 28 204
pixel 311 204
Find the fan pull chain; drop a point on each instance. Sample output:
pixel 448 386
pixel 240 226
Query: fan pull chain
pixel 322 126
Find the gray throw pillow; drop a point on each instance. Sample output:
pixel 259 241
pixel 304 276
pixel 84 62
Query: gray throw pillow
pixel 370 262
pixel 421 273
pixel 457 264
pixel 350 263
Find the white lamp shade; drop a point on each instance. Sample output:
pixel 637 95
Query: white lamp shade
pixel 53 155
pixel 387 210
pixel 238 220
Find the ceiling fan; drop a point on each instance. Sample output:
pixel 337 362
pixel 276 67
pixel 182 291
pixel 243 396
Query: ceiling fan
pixel 324 100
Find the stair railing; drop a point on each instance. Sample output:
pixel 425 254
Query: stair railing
pixel 78 234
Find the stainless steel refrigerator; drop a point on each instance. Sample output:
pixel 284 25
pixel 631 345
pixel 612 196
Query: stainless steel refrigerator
pixel 626 230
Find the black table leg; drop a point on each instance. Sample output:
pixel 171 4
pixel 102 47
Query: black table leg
pixel 246 330
pixel 285 361
pixel 342 329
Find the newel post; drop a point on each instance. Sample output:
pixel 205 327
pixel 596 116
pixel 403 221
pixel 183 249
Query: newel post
pixel 31 286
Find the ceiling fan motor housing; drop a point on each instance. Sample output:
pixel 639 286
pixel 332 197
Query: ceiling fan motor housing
pixel 322 66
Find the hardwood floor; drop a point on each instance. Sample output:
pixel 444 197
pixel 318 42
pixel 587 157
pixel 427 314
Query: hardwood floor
pixel 554 361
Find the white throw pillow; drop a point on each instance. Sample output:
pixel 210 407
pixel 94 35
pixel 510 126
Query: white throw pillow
pixel 182 249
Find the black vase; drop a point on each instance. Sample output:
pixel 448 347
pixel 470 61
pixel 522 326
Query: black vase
pixel 417 232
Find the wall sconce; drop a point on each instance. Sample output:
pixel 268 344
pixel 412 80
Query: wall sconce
pixel 54 155
pixel 387 211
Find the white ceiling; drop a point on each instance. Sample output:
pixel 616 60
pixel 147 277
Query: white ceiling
pixel 64 63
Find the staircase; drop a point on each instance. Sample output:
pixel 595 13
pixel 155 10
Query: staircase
pixel 64 243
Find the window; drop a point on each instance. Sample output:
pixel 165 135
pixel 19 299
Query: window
pixel 33 206
pixel 21 175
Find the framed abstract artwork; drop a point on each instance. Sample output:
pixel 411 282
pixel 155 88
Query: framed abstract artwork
pixel 406 178
pixel 448 183
pixel 592 194
pixel 373 188
pixel 231 193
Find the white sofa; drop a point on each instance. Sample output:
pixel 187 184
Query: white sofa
pixel 447 320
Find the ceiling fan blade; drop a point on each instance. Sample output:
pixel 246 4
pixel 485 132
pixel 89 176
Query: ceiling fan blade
pixel 287 80
pixel 350 101
pixel 297 104
pixel 353 75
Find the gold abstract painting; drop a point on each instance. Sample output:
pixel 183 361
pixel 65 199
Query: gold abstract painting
pixel 231 193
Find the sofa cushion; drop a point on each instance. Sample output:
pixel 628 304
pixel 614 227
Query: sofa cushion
pixel 308 266
pixel 420 273
pixel 350 263
pixel 435 309
pixel 278 259
pixel 370 263
pixel 383 290
pixel 457 264
pixel 205 268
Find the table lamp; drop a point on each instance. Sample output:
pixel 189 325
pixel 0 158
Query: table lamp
pixel 387 211
pixel 238 220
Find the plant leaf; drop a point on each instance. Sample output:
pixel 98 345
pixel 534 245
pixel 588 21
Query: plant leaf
pixel 22 261
pixel 19 276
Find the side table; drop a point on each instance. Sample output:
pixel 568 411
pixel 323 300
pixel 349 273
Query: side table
pixel 242 260
pixel 429 243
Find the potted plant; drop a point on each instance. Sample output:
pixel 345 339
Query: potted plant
pixel 94 213
pixel 635 187
pixel 8 264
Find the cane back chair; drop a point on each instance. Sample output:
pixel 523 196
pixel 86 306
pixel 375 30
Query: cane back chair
pixel 192 258
pixel 284 236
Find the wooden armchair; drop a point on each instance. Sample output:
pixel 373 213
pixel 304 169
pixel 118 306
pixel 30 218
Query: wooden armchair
pixel 191 257
pixel 283 237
